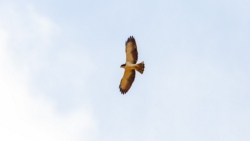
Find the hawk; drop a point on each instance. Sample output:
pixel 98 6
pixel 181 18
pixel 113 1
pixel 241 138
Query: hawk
pixel 130 66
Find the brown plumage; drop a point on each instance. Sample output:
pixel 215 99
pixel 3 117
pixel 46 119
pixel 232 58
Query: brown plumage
pixel 131 50
pixel 127 80
pixel 130 66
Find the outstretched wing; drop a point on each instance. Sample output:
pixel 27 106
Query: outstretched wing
pixel 131 50
pixel 127 80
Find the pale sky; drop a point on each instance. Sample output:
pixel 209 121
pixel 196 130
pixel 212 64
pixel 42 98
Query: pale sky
pixel 60 70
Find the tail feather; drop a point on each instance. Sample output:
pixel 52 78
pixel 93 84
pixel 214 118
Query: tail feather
pixel 140 67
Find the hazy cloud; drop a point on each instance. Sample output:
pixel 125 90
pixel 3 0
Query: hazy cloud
pixel 25 37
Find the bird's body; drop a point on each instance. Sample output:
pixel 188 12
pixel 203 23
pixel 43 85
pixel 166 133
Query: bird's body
pixel 130 66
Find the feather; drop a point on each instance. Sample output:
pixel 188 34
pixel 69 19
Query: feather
pixel 127 80
pixel 131 50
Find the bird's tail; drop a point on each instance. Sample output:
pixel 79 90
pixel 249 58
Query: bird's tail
pixel 140 67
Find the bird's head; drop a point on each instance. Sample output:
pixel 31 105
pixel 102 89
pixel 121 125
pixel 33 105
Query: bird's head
pixel 123 65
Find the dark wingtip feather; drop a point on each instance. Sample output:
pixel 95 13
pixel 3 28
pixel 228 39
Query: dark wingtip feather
pixel 122 91
pixel 130 38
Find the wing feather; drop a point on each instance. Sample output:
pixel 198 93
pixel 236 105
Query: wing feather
pixel 131 50
pixel 127 80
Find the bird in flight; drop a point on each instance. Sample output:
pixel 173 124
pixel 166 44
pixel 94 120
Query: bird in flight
pixel 130 66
